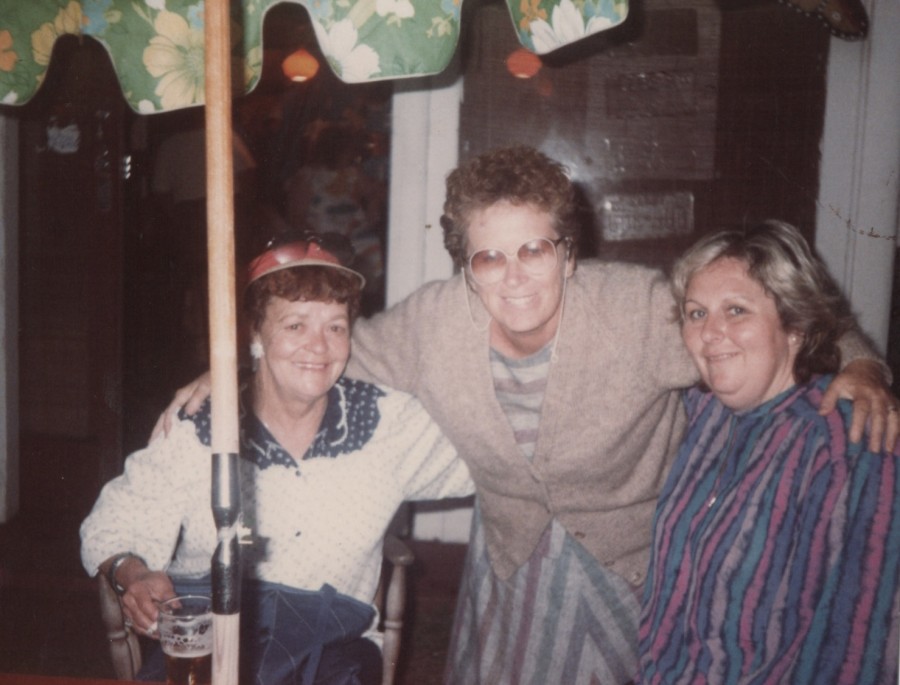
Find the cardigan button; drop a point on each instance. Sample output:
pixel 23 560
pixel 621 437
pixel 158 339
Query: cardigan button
pixel 581 536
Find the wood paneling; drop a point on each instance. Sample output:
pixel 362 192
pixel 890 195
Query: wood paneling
pixel 71 255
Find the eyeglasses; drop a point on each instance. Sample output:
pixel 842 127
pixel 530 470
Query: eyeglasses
pixel 537 257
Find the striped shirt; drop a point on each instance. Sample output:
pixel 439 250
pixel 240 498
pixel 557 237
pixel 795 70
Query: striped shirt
pixel 519 385
pixel 770 560
pixel 561 618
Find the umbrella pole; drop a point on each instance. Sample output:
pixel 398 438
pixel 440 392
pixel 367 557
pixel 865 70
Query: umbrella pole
pixel 225 496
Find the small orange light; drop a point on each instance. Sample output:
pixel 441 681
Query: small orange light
pixel 523 63
pixel 300 65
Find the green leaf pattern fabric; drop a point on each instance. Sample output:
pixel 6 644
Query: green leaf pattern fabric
pixel 156 46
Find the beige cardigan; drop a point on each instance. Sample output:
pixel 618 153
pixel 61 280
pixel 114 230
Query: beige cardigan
pixel 611 419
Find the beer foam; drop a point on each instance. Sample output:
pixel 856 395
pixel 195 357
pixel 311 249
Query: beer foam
pixel 185 652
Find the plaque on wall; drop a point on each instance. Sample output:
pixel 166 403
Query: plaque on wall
pixel 654 99
pixel 646 216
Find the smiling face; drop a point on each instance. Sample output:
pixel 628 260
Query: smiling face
pixel 525 308
pixel 305 345
pixel 734 334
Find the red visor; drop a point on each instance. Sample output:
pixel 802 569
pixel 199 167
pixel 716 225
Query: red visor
pixel 292 255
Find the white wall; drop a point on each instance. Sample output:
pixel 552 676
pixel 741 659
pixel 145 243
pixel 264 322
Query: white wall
pixel 857 220
pixel 9 353
pixel 424 142
pixel 425 135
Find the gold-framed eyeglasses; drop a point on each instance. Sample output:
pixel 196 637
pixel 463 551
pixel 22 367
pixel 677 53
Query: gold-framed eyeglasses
pixel 537 256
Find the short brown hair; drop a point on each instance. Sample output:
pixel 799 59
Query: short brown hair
pixel 307 283
pixel 520 175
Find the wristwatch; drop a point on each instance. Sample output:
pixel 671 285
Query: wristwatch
pixel 114 565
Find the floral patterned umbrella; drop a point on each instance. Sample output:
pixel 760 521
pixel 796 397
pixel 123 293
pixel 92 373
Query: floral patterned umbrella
pixel 157 45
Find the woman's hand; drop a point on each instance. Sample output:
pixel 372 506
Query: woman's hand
pixel 862 382
pixel 140 603
pixel 190 398
pixel 144 589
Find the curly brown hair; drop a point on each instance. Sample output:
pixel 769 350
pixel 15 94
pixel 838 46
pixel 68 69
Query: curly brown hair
pixel 308 283
pixel 520 175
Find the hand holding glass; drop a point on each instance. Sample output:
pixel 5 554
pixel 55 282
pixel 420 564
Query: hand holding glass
pixel 186 636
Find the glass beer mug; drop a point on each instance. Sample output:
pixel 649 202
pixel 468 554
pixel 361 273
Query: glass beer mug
pixel 186 636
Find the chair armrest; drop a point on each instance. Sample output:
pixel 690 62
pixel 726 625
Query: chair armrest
pixel 396 551
pixel 391 601
pixel 124 647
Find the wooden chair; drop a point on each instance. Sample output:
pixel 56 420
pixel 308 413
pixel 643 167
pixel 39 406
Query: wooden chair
pixel 390 598
pixel 124 646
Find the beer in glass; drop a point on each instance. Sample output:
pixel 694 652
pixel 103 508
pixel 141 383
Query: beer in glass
pixel 186 637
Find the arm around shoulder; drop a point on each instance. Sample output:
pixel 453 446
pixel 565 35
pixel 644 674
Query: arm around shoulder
pixel 388 347
pixel 865 379
pixel 428 465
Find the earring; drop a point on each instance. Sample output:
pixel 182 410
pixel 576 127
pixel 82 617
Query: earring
pixel 256 350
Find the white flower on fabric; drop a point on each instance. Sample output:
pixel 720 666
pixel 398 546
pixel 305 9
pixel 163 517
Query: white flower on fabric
pixel 159 5
pixel 401 8
pixel 175 58
pixel 146 107
pixel 567 26
pixel 353 63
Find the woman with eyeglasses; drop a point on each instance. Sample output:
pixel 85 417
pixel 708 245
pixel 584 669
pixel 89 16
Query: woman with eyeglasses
pixel 325 463
pixel 560 387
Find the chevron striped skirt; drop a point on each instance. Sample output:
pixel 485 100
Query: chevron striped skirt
pixel 562 619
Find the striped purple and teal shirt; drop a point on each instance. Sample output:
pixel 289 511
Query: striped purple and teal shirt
pixel 776 547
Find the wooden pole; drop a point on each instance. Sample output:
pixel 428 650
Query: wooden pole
pixel 225 496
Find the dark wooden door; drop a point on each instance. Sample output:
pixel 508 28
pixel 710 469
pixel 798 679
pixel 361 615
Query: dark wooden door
pixel 71 280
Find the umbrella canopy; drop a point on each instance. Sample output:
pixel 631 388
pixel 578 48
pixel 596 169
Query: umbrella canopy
pixel 157 46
